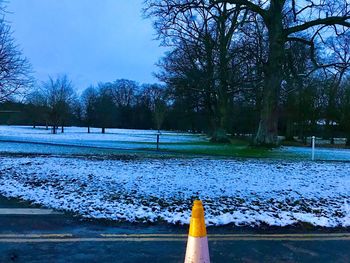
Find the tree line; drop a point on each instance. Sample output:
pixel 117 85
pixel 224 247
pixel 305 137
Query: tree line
pixel 234 67
pixel 320 106
pixel 231 55
pixel 119 104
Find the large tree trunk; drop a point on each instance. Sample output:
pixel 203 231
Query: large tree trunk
pixel 223 78
pixel 268 126
pixel 220 134
pixel 223 124
pixel 267 134
pixel 88 129
pixel 210 100
pixel 103 130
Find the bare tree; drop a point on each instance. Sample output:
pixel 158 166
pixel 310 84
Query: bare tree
pixel 203 32
pixel 37 107
pixel 338 49
pixel 304 22
pixel 157 100
pixel 122 91
pixel 59 96
pixel 88 100
pixel 283 21
pixel 345 110
pixel 15 70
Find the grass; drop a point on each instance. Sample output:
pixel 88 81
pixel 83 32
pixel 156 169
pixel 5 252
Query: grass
pixel 236 148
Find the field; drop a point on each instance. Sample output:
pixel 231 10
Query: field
pixel 119 176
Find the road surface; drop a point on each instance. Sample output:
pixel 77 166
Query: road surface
pixel 34 234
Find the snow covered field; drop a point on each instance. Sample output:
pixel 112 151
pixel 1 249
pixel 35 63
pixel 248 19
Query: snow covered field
pixel 134 188
pixel 25 139
pixel 241 192
pixel 114 138
pixel 11 138
pixel 320 153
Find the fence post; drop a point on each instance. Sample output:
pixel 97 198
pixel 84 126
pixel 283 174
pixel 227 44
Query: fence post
pixel 158 135
pixel 313 147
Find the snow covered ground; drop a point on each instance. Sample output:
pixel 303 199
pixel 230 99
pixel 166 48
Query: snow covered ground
pixel 241 192
pixel 79 136
pixel 320 153
pixel 12 136
pixel 133 188
pixel 121 139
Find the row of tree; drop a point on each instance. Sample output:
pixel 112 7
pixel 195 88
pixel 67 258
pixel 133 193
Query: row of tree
pixel 320 106
pixel 265 68
pixel 122 104
pixel 230 54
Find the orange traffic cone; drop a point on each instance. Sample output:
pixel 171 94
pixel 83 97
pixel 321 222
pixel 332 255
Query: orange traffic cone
pixel 197 244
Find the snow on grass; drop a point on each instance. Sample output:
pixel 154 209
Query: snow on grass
pixel 240 192
pixel 320 153
pixel 145 140
pixel 79 136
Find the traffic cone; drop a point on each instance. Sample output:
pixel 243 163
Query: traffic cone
pixel 197 244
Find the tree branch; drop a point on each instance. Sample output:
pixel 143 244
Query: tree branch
pixel 248 4
pixel 334 20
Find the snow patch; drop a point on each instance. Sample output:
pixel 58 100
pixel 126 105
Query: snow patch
pixel 240 192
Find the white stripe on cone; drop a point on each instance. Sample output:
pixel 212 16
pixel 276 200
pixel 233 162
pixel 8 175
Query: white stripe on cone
pixel 197 250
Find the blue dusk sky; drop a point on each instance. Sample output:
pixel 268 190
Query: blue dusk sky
pixel 90 40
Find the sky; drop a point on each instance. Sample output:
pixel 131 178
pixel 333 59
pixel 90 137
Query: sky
pixel 89 40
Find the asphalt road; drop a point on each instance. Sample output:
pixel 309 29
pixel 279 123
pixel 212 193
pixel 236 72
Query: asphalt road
pixel 34 234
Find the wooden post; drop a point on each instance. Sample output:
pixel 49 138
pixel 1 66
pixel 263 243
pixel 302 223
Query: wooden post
pixel 313 147
pixel 157 141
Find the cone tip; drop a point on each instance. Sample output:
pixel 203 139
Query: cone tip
pixel 197 203
pixel 197 225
